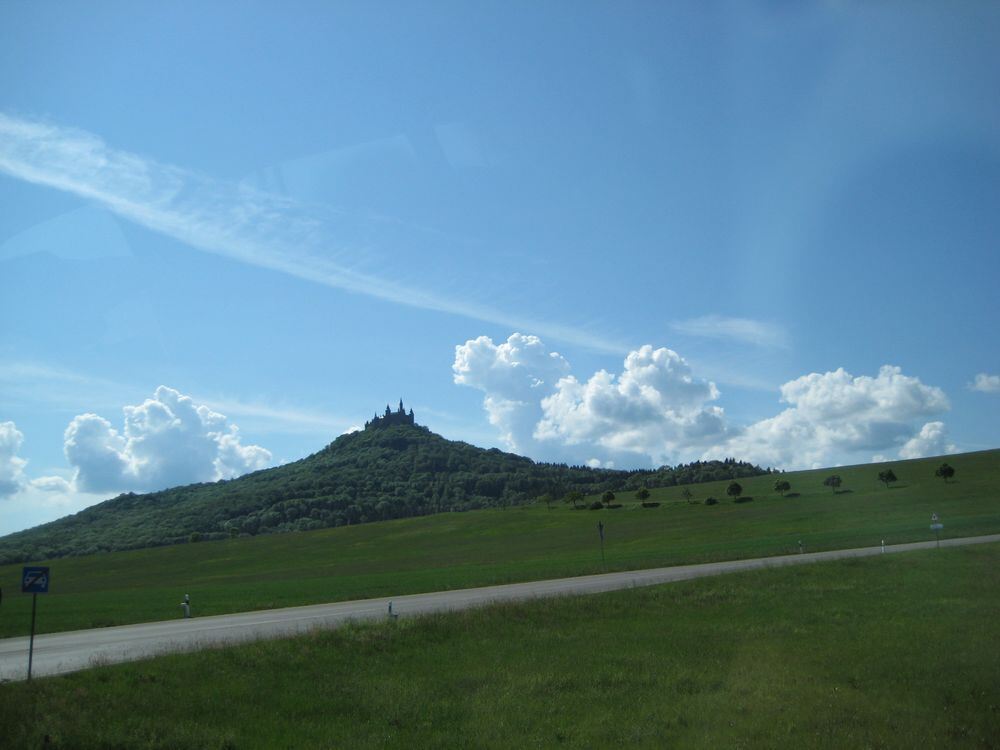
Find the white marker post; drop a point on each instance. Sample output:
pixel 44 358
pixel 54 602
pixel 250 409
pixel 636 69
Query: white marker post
pixel 936 528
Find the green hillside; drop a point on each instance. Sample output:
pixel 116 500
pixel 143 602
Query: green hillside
pixel 378 474
pixel 456 550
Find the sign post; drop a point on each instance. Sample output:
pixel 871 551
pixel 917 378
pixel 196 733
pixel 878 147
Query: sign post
pixel 600 530
pixel 936 528
pixel 34 581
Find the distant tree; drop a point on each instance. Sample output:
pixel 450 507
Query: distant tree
pixel 608 497
pixel 642 494
pixel 734 489
pixel 887 477
pixel 944 471
pixel 547 499
pixel 781 487
pixel 575 497
pixel 833 482
pixel 686 494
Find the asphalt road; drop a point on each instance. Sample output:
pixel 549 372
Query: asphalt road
pixel 67 652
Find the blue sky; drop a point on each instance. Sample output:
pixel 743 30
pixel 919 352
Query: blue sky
pixel 623 234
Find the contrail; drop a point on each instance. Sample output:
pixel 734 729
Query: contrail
pixel 232 220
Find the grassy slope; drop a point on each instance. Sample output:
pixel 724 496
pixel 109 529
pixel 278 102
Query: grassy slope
pixel 469 549
pixel 898 651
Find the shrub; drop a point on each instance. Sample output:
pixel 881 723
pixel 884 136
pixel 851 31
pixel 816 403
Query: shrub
pixel 710 501
pixel 612 506
pixel 743 500
pixel 650 505
pixel 596 505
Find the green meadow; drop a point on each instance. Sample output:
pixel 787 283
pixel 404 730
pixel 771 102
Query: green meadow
pixel 899 651
pixel 458 550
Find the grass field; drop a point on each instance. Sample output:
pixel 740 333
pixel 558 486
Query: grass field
pixel 900 651
pixel 485 547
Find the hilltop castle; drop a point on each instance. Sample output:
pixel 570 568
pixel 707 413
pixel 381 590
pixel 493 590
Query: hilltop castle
pixel 390 418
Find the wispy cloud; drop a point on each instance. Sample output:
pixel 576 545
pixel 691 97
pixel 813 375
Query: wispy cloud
pixel 33 384
pixel 232 220
pixel 279 418
pixel 743 330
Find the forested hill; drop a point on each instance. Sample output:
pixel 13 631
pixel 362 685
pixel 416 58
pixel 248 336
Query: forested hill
pixel 376 474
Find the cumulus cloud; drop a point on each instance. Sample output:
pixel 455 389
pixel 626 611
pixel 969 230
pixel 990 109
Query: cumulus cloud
pixel 835 414
pixel 165 441
pixel 932 440
pixel 11 466
pixel 515 376
pixel 986 383
pixel 658 410
pixel 653 408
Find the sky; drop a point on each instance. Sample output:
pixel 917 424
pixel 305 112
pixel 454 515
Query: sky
pixel 606 233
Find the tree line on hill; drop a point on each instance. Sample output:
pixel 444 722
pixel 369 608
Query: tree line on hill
pixel 373 475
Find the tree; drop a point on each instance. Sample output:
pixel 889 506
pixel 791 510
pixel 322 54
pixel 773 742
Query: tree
pixel 833 482
pixel 734 489
pixel 574 497
pixel 686 494
pixel 945 471
pixel 642 494
pixel 781 487
pixel 887 477
pixel 608 497
pixel 547 499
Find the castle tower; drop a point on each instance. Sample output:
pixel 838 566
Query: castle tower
pixel 390 417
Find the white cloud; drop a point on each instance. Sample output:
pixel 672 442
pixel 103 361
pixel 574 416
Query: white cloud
pixel 655 408
pixel 231 220
pixel 743 330
pixel 986 383
pixel 11 466
pixel 51 484
pixel 167 440
pixel 658 408
pixel 834 415
pixel 932 440
pixel 515 376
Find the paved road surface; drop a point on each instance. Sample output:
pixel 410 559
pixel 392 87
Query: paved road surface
pixel 67 652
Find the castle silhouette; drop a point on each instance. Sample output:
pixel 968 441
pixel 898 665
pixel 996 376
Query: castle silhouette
pixel 390 418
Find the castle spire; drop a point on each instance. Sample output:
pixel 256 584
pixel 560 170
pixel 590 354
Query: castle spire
pixel 400 406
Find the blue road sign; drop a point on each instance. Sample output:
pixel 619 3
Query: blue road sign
pixel 35 581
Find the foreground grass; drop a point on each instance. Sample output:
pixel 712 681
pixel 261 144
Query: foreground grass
pixel 897 651
pixel 459 550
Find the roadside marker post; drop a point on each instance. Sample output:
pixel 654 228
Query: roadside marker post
pixel 936 528
pixel 34 581
pixel 600 530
